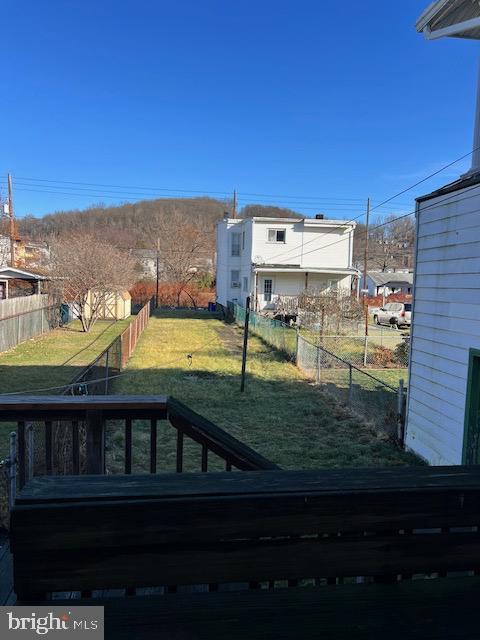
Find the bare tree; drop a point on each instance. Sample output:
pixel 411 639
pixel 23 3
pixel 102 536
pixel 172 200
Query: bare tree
pixel 186 247
pixel 328 311
pixel 88 272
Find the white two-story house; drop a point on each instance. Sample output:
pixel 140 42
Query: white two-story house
pixel 265 258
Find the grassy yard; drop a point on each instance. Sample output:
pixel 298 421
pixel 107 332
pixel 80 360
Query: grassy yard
pixel 52 360
pixel 281 415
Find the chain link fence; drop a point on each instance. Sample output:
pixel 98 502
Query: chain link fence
pixel 273 332
pixel 346 367
pixel 67 436
pixel 377 402
pixel 376 351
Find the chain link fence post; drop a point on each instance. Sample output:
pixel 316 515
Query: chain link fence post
pixel 401 411
pixel 350 384
pixel 318 376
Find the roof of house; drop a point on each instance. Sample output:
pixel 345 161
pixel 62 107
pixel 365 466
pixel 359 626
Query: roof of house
pixel 381 278
pixel 467 180
pixel 11 273
pixel 296 268
pixel 442 16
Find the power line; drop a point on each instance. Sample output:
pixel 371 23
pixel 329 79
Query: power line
pixel 450 164
pixel 225 193
pixel 118 375
pixel 387 222
pixel 153 190
pixel 23 186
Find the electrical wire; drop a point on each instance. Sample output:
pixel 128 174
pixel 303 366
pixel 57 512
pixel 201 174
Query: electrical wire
pixel 118 375
pixel 447 166
pixel 383 224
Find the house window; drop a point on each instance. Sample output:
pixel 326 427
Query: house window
pixel 235 278
pixel 277 235
pixel 235 244
pixel 243 240
pixel 245 283
pixel 267 289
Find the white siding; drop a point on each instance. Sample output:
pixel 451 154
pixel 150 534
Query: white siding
pixel 226 263
pixel 316 245
pixel 446 324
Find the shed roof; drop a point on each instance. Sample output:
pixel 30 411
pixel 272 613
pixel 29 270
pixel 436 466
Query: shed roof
pixel 381 278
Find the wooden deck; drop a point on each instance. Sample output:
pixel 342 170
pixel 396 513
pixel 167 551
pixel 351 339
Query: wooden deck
pixel 259 553
pixel 7 595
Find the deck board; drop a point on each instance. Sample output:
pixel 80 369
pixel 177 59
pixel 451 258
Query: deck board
pixel 166 485
pixel 441 609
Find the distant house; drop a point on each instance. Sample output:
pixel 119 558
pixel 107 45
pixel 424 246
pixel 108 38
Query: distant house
pixel 147 261
pixel 268 258
pixel 384 283
pixel 18 283
pixel 443 413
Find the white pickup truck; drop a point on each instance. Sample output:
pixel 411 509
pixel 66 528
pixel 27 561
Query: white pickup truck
pixel 397 314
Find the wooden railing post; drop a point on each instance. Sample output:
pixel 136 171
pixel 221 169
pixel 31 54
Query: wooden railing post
pixel 12 470
pixel 95 443
pixel 22 475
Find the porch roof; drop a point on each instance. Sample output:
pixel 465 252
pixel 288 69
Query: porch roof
pixel 11 273
pixel 454 18
pixel 293 268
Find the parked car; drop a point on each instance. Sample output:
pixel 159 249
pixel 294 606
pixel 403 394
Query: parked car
pixel 397 314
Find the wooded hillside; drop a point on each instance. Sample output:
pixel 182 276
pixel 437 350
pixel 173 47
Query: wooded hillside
pixel 132 225
pixel 191 222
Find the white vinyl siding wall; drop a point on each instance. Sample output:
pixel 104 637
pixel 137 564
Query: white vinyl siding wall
pixel 446 323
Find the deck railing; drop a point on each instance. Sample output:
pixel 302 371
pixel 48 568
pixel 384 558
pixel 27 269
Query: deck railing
pixel 80 423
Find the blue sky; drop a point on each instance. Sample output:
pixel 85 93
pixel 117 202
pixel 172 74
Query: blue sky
pixel 325 102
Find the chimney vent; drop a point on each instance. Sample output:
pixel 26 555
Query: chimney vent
pixel 226 215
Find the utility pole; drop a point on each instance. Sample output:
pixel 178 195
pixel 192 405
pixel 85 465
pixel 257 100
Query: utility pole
pixel 12 231
pixel 157 291
pixel 234 207
pixel 245 343
pixel 365 282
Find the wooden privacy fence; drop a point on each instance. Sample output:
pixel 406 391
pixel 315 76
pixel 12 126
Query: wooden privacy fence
pixel 21 322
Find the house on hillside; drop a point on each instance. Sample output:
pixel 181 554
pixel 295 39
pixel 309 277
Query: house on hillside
pixel 384 283
pixel 443 413
pixel 268 258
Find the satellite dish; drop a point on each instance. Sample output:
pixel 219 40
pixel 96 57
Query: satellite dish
pixel 259 260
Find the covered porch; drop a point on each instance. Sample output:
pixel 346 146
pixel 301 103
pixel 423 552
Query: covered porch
pixel 272 282
pixel 9 276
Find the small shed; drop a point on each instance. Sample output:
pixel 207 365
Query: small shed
pixel 116 306
pixel 8 276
